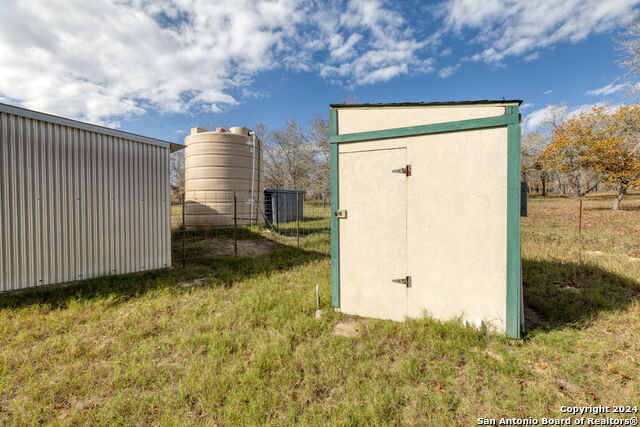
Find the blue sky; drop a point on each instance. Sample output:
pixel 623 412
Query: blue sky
pixel 161 67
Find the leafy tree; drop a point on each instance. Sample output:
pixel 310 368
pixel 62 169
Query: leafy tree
pixel 599 145
pixel 617 153
pixel 570 154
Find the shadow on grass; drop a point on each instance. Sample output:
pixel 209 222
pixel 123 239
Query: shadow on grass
pixel 216 269
pixel 194 243
pixel 292 231
pixel 559 295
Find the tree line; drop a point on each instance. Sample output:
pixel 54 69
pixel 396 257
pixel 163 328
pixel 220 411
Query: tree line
pixel 294 157
pixel 595 149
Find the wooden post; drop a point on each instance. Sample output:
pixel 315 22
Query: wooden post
pixel 580 219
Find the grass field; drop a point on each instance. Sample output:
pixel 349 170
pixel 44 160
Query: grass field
pixel 230 341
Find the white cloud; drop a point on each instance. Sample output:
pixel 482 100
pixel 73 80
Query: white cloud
pixel 538 119
pixel 548 92
pixel 575 111
pixel 526 105
pixel 341 49
pixel 446 51
pixel 448 71
pixel 542 118
pixel 516 27
pixel 532 57
pixel 104 60
pixel 383 74
pixel 107 59
pixel 101 59
pixel 383 46
pixel 606 90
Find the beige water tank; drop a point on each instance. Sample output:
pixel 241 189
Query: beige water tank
pixel 219 164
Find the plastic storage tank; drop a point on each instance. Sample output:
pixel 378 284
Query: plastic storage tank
pixel 219 164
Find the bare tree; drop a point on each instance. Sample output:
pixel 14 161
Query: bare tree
pixel 319 138
pixel 628 42
pixel 351 99
pixel 289 157
pixel 176 167
pixel 297 157
pixel 534 172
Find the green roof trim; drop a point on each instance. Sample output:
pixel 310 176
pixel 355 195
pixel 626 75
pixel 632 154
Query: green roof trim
pixel 459 125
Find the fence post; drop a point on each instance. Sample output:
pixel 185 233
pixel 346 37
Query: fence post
pixel 298 218
pixel 275 213
pixel 184 231
pixel 235 224
pixel 580 219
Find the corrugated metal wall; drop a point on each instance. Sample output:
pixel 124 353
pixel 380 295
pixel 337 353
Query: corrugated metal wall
pixel 76 204
pixel 282 206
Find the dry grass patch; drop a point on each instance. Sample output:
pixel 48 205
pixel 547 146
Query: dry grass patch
pixel 242 345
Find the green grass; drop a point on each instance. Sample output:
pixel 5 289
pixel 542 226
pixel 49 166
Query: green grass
pixel 233 341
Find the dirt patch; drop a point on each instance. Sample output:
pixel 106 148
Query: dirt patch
pixel 252 247
pixel 192 283
pixel 246 247
pixel 347 328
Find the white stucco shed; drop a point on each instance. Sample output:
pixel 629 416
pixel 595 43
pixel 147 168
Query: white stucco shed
pixel 426 211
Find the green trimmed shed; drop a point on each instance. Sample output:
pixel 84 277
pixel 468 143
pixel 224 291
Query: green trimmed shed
pixel 425 202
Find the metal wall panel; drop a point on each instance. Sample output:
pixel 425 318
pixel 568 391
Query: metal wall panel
pixel 77 204
pixel 283 205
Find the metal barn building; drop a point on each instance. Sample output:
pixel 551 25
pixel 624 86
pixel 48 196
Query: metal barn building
pixel 79 201
pixel 426 211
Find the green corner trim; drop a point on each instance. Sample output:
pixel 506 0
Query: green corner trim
pixel 335 224
pixel 510 118
pixel 514 277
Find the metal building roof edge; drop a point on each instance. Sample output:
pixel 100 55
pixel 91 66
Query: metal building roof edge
pixel 76 124
pixel 427 104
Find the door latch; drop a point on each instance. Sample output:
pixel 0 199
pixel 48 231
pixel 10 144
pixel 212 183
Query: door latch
pixel 405 170
pixel 342 213
pixel 405 281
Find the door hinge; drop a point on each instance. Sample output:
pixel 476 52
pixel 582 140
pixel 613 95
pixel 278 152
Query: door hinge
pixel 405 170
pixel 405 281
pixel 342 213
